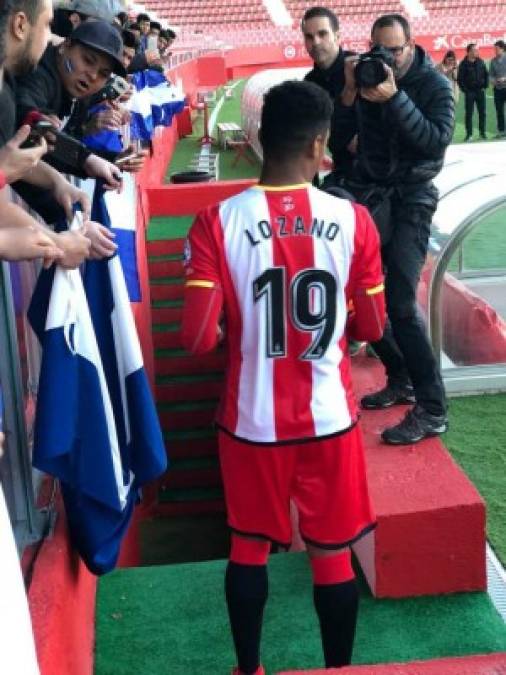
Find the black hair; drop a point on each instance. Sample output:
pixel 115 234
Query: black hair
pixel 31 8
pixel 130 40
pixel 133 26
pixel 155 24
pixel 122 18
pixel 170 34
pixel 5 11
pixel 142 17
pixel 470 46
pixel 450 54
pixel 389 20
pixel 315 12
pixel 500 43
pixel 293 114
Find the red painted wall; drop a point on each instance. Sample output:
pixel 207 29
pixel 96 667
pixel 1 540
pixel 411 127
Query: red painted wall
pixel 62 606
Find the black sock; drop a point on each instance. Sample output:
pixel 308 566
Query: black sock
pixel 246 590
pixel 337 609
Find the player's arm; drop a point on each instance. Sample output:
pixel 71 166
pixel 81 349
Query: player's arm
pixel 203 298
pixel 366 303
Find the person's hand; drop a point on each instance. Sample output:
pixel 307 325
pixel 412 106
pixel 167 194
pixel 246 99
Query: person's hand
pixel 67 195
pixel 96 167
pixel 28 243
pixel 109 120
pixel 153 57
pixel 75 246
pixel 102 240
pixel 134 163
pixel 384 91
pixel 15 161
pixel 349 92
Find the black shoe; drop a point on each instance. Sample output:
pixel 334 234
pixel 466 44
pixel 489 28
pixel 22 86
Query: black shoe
pixel 483 137
pixel 416 425
pixel 389 396
pixel 467 138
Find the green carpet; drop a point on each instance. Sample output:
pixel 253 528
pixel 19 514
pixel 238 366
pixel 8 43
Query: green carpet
pixel 157 620
pixel 173 227
pixel 477 439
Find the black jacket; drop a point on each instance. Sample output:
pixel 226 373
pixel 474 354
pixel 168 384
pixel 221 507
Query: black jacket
pixel 332 80
pixel 43 90
pixel 472 75
pixel 401 142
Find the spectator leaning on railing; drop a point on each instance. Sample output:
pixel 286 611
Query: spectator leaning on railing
pixel 75 70
pixel 25 32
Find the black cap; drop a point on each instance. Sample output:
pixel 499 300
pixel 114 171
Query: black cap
pixel 102 37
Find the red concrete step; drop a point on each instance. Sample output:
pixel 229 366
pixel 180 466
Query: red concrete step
pixel 185 365
pixel 165 247
pixel 188 391
pixel 166 291
pixel 165 268
pixel 483 664
pixel 163 315
pixel 430 537
pixel 192 447
pixel 186 479
pixel 186 419
pixel 167 510
pixel 170 339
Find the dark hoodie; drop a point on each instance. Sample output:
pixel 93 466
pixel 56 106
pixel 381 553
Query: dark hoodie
pixel 401 142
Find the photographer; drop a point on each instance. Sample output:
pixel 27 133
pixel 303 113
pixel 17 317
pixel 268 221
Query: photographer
pixel 403 112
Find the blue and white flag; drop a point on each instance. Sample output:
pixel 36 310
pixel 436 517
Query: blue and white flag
pixel 154 103
pixel 96 426
pixel 117 211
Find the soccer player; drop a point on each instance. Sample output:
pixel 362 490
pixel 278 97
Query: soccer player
pixel 295 271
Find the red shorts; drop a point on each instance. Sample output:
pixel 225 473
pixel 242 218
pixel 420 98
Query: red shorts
pixel 326 479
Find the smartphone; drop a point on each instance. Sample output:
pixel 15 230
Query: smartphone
pixel 41 129
pixel 115 88
pixel 152 45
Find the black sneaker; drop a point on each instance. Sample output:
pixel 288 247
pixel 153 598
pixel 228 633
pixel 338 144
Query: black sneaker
pixel 416 425
pixel 389 396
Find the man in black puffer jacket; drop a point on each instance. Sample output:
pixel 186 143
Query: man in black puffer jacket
pixel 472 79
pixel 403 127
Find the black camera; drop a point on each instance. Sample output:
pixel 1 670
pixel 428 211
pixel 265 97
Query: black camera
pixel 370 70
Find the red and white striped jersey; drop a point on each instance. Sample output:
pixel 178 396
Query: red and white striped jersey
pixel 287 260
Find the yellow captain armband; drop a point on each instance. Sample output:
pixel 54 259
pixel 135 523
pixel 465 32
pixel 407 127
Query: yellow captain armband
pixel 374 291
pixel 197 283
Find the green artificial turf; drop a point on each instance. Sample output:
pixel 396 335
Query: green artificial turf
pixel 188 148
pixel 169 227
pixel 491 121
pixel 485 247
pixel 477 441
pixel 172 619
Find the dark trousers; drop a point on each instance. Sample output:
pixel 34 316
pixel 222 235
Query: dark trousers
pixel 471 98
pixel 499 101
pixel 405 349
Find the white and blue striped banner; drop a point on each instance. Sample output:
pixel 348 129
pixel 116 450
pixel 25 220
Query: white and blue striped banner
pixel 96 426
